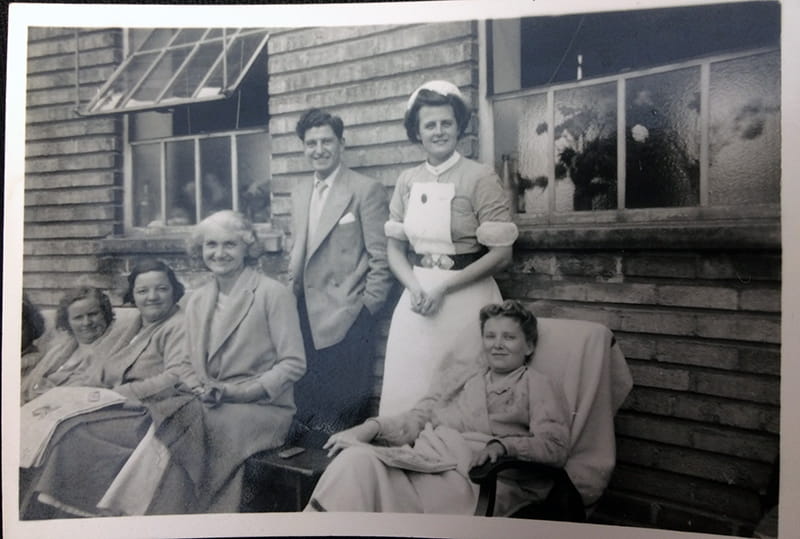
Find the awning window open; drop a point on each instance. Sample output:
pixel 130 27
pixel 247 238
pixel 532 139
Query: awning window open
pixel 174 66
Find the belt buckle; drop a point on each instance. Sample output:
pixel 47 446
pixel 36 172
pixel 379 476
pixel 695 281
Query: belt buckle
pixel 437 261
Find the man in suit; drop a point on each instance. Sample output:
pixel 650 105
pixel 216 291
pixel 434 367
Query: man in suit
pixel 341 277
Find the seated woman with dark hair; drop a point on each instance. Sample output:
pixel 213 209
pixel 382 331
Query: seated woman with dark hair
pixel 85 317
pixel 143 365
pixel 32 328
pixel 474 413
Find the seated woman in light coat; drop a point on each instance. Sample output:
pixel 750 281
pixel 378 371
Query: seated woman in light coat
pixel 245 353
pixel 473 414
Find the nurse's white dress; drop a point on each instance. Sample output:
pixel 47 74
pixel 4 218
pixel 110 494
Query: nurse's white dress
pixel 455 208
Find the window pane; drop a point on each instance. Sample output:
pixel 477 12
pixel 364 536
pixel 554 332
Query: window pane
pixel 192 75
pixel 745 136
pixel 181 205
pixel 522 133
pixel 215 171
pixel 135 70
pixel 586 148
pixel 662 140
pixel 153 85
pixel 146 163
pixel 240 52
pixel 253 169
pixel 157 39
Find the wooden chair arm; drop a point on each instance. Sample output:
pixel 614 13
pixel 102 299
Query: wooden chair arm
pixel 564 502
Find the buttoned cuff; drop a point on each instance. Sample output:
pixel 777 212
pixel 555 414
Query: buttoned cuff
pixel 497 234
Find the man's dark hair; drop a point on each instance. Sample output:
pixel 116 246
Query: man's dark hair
pixel 318 118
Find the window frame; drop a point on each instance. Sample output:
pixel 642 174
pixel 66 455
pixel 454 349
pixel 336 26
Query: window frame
pixel 621 216
pixel 160 103
pixel 233 134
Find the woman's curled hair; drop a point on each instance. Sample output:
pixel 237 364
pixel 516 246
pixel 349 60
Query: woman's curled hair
pixel 515 310
pixel 77 294
pixel 151 264
pixel 231 221
pixel 429 98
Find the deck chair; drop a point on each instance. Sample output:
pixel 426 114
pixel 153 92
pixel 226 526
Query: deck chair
pixel 585 358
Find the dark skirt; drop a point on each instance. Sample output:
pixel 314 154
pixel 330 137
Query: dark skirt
pixel 84 456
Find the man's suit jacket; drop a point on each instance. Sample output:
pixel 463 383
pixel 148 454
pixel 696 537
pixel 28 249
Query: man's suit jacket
pixel 343 268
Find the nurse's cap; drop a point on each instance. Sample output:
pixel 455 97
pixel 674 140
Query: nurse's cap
pixel 441 87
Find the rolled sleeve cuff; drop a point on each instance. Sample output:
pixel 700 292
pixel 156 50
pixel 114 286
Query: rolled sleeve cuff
pixel 394 229
pixel 497 234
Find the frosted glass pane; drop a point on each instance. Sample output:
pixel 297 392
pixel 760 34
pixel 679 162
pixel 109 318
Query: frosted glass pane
pixel 662 140
pixel 146 160
pixel 522 133
pixel 215 171
pixel 181 205
pixel 253 168
pixel 745 136
pixel 586 148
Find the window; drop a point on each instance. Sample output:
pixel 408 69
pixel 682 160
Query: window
pixel 198 141
pixel 639 110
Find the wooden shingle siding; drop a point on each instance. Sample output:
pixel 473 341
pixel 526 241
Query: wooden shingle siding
pixel 698 435
pixel 73 183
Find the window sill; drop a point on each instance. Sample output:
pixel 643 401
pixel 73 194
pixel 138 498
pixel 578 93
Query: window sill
pixel 161 241
pixel 739 234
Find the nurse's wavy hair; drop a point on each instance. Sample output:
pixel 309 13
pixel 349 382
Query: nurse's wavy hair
pixel 231 221
pixel 515 310
pixel 431 98
pixel 77 294
pixel 151 264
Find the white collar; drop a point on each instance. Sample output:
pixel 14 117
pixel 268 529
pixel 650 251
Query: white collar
pixel 443 167
pixel 330 177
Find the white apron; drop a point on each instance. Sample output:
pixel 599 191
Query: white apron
pixel 418 344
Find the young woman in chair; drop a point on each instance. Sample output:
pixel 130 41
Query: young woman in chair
pixel 496 406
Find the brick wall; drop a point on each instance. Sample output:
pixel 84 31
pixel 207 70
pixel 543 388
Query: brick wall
pixel 701 331
pixel 73 190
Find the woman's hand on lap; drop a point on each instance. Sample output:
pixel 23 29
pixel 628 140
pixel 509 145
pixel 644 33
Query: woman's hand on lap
pixel 246 392
pixel 363 433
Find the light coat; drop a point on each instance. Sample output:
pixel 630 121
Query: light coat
pixel 343 268
pixel 260 340
pixel 149 359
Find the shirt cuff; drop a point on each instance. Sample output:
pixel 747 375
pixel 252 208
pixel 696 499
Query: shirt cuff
pixel 394 229
pixel 497 234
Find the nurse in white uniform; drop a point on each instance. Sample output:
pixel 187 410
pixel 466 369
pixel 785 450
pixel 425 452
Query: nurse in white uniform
pixel 449 231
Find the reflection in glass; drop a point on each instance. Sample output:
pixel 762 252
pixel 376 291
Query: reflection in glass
pixel 181 205
pixel 662 138
pixel 146 184
pixel 586 148
pixel 252 153
pixel 215 174
pixel 745 132
pixel 525 139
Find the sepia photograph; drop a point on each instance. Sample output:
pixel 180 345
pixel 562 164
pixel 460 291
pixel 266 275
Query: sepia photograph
pixel 435 268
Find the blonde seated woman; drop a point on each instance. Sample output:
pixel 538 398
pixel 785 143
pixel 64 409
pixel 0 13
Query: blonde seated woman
pixel 244 354
pixel 475 413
